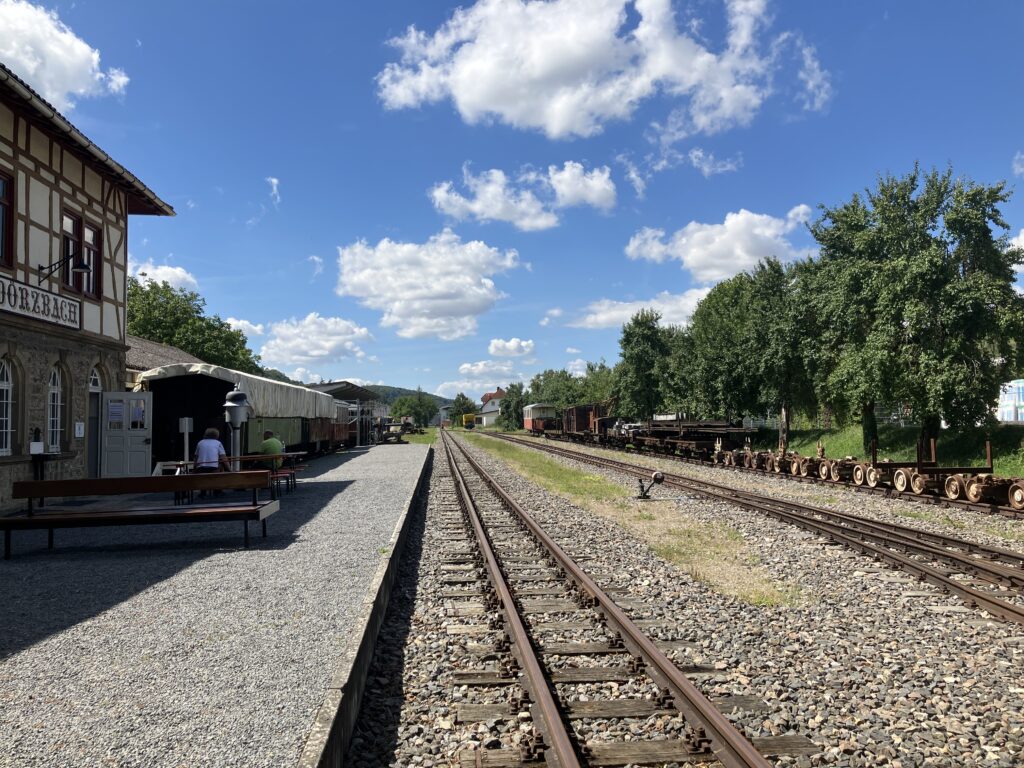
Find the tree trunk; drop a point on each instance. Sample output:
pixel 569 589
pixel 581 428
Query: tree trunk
pixel 869 425
pixel 784 428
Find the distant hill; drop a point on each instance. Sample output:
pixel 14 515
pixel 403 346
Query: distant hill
pixel 390 394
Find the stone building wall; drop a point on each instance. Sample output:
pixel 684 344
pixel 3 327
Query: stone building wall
pixel 32 354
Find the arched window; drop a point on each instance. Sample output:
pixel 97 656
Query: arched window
pixel 95 381
pixel 55 411
pixel 6 408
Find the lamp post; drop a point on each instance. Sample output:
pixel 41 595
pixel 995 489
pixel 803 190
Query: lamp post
pixel 236 413
pixel 79 267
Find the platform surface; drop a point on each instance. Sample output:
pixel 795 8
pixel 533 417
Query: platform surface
pixel 173 645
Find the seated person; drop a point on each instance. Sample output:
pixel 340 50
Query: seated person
pixel 271 446
pixel 210 456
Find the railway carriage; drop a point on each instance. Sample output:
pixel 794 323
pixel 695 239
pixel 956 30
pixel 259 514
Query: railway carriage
pixel 539 417
pixel 302 418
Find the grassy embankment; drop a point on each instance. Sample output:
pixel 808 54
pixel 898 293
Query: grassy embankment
pixel 425 439
pixel 963 449
pixel 714 554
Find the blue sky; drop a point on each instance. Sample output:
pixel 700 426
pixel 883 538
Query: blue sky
pixel 406 194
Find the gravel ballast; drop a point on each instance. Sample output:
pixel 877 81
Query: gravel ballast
pixel 872 666
pixel 173 645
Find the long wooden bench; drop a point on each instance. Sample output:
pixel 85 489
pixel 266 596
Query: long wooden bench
pixel 100 515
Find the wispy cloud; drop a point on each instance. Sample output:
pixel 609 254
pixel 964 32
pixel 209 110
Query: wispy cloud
pixel 275 192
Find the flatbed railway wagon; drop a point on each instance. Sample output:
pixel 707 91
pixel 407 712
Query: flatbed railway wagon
pixel 302 419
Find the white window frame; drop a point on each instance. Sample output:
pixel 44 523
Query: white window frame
pixel 6 408
pixel 54 411
pixel 95 381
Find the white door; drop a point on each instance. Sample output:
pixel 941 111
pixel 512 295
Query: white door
pixel 127 433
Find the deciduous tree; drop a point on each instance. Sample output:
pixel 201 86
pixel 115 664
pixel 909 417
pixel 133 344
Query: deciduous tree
pixel 175 316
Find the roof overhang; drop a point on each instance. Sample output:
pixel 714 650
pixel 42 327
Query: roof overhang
pixel 141 199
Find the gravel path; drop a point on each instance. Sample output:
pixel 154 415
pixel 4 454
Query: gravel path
pixel 172 645
pixel 873 667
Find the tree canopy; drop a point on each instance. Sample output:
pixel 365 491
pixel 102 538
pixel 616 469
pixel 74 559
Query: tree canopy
pixel 421 407
pixel 176 316
pixel 511 409
pixel 460 406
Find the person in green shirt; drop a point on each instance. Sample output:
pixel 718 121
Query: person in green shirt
pixel 271 446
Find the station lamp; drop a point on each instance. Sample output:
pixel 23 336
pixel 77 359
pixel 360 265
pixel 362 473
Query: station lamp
pixel 78 267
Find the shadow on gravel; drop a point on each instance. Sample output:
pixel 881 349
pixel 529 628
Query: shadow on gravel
pixel 90 570
pixel 375 737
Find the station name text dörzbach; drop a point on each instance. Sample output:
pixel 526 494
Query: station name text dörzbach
pixel 34 302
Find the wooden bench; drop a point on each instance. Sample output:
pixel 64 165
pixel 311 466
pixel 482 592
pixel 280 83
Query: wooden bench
pixel 101 515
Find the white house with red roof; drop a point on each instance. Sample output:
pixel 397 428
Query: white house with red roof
pixel 490 408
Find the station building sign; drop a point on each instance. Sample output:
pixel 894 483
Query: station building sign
pixel 39 304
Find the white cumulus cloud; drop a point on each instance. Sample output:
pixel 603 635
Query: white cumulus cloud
pixel 486 368
pixel 551 314
pixel 713 252
pixel 574 185
pixel 314 339
pixel 572 351
pixel 567 67
pixel 148 272
pixel 577 367
pixel 817 82
pixel 514 347
pixel 42 50
pixel 708 165
pixel 305 375
pixel 1018 164
pixel 437 288
pixel 249 329
pixel 675 309
pixel 494 197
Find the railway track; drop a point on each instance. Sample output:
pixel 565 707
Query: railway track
pixel 557 621
pixel 929 496
pixel 988 578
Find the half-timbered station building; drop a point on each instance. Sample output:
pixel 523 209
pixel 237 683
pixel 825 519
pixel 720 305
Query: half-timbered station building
pixel 64 208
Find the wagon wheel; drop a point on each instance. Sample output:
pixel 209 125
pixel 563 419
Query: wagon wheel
pixel 1017 495
pixel 794 466
pixel 954 487
pixel 746 461
pixel 918 483
pixel 824 469
pixel 874 477
pixel 858 474
pixel 833 472
pixel 769 463
pixel 974 490
pixel 805 468
pixel 901 480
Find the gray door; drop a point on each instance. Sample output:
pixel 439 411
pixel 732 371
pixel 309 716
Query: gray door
pixel 127 433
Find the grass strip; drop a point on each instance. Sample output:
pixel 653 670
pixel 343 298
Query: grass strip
pixel 713 553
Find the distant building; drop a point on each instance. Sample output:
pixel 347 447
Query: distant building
pixel 64 210
pixel 490 408
pixel 1011 402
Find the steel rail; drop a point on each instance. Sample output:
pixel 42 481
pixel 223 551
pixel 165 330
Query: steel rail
pixel 805 519
pixel 915 535
pixel 730 746
pixel 933 498
pixel 562 752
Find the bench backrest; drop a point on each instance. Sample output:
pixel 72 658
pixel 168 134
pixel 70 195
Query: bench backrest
pixel 113 486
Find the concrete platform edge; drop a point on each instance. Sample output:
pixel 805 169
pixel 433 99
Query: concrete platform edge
pixel 331 731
